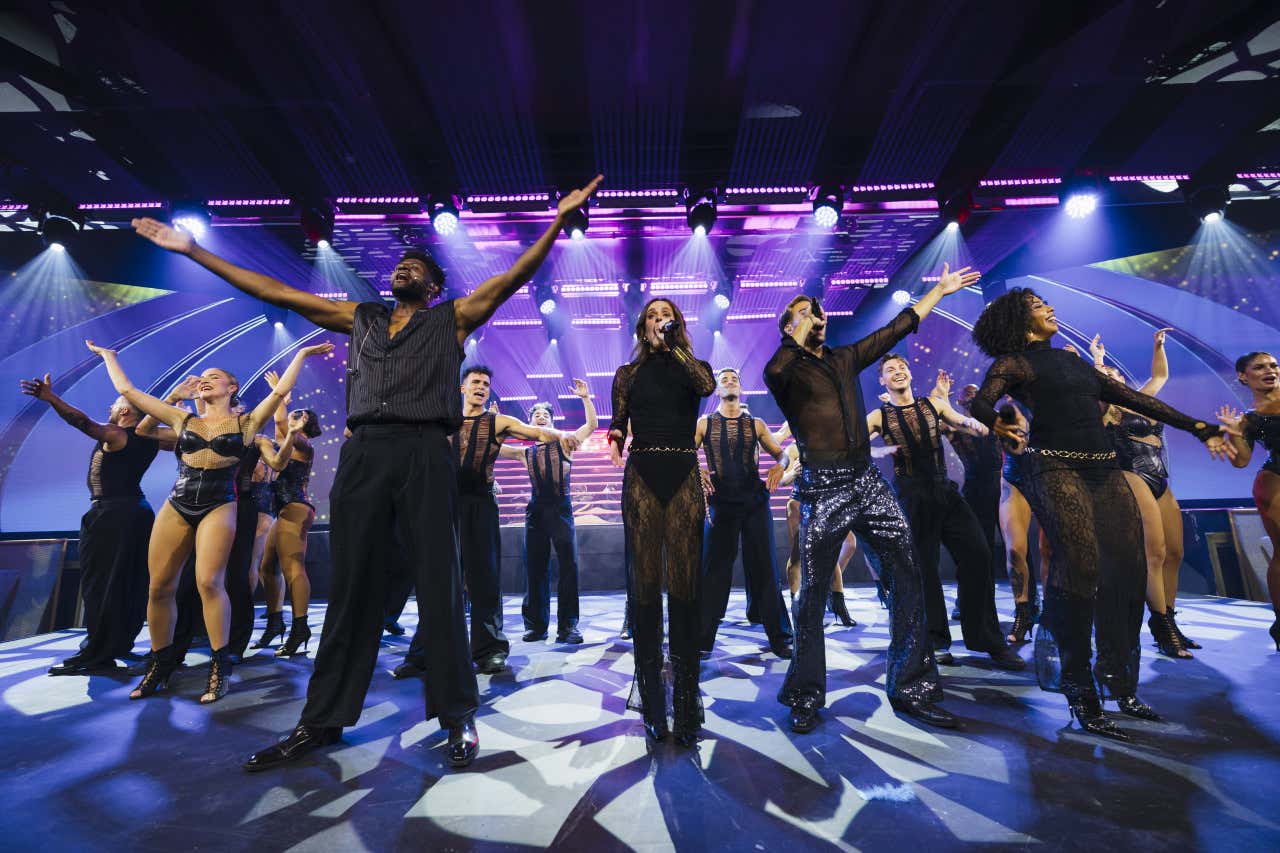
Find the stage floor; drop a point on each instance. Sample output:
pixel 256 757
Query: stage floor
pixel 563 763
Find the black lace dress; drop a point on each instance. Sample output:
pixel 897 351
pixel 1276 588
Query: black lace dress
pixel 1073 482
pixel 662 511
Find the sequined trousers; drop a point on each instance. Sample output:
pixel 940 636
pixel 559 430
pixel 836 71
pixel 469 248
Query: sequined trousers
pixel 834 501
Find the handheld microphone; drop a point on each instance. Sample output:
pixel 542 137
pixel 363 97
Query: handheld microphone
pixel 668 327
pixel 1007 414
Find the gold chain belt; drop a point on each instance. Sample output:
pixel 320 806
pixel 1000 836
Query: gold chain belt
pixel 1083 455
pixel 665 450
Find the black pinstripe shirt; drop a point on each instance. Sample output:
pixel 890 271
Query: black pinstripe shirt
pixel 409 379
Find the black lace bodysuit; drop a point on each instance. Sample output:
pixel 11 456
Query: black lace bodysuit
pixel 1266 429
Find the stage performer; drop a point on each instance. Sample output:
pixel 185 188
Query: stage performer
pixel 840 491
pixel 1259 372
pixel 938 515
pixel 200 512
pixel 1140 451
pixel 548 523
pixel 475 446
pixel 739 510
pixel 114 533
pixel 395 475
pixel 657 396
pixel 980 456
pixel 1075 487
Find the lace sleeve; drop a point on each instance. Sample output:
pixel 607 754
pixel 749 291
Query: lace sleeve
pixel 1007 373
pixel 866 351
pixel 700 376
pixel 621 398
pixel 1120 394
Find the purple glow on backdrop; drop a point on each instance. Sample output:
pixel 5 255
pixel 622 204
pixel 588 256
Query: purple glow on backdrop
pixel 1130 179
pixel 122 205
pixel 1032 201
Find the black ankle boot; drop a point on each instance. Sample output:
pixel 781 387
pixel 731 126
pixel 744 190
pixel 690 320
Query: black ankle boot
pixel 274 629
pixel 1274 631
pixel 299 635
pixel 686 700
pixel 160 667
pixel 1186 641
pixel 653 697
pixel 1166 635
pixel 219 677
pixel 835 601
pixel 1086 708
pixel 1023 621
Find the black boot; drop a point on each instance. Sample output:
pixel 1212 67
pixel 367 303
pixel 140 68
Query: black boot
pixel 625 633
pixel 686 700
pixel 650 687
pixel 1186 641
pixel 1023 621
pixel 1166 635
pixel 880 593
pixel 1086 708
pixel 219 677
pixel 836 603
pixel 160 667
pixel 299 635
pixel 275 628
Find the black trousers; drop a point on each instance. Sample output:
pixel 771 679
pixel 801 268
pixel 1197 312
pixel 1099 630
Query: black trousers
pixel 190 622
pixel 399 585
pixel 750 522
pixel 114 535
pixel 395 486
pixel 939 517
pixel 481 542
pixel 833 502
pixel 984 500
pixel 549 524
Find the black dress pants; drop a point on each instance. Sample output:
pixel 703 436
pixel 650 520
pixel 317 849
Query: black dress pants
pixel 549 524
pixel 939 517
pixel 751 522
pixel 395 486
pixel 114 535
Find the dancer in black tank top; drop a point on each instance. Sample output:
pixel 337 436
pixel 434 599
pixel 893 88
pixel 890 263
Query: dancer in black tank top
pixel 739 511
pixel 938 515
pixel 114 533
pixel 210 449
pixel 548 523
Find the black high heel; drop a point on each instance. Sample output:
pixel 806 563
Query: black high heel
pixel 1023 621
pixel 160 668
pixel 219 677
pixel 1086 709
pixel 836 603
pixel 1186 641
pixel 299 635
pixel 274 629
pixel 1167 638
pixel 1135 707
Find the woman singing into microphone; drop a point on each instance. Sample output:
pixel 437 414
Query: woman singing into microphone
pixel 658 395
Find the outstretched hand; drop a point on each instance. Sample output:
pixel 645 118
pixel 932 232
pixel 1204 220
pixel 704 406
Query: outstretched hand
pixel 580 389
pixel 942 386
pixel 576 199
pixel 1160 333
pixel 950 282
pixel 316 349
pixel 41 389
pixel 1231 420
pixel 1220 448
pixel 164 236
pixel 97 350
pixel 1098 351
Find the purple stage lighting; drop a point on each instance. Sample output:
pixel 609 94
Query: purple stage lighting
pixel 193 225
pixel 1020 182
pixel 249 202
pixel 886 188
pixel 122 205
pixel 1079 205
pixel 1032 201
pixel 722 302
pixel 1146 179
pixel 901 297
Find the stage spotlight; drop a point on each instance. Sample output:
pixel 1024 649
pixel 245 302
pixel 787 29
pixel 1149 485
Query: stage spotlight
pixel 1207 202
pixel 191 217
pixel 278 324
pixel 724 295
pixel 828 202
pixel 545 298
pixel 58 229
pixel 316 219
pixel 554 342
pixel 443 211
pixel 1081 204
pixel 901 297
pixel 577 222
pixel 954 210
pixel 700 211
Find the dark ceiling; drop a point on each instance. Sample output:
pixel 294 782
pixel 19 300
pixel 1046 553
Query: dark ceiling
pixel 130 100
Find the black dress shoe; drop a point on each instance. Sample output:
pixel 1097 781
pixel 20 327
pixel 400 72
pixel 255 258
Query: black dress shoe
pixel 1135 707
pixel 571 637
pixel 408 669
pixel 804 717
pixel 944 657
pixel 704 654
pixel 783 650
pixel 494 663
pixel 926 712
pixel 1007 658
pixel 464 743
pixel 74 666
pixel 300 741
pixel 534 636
pixel 391 626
